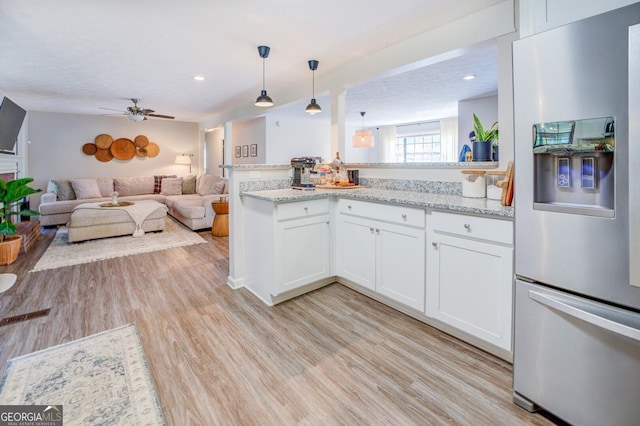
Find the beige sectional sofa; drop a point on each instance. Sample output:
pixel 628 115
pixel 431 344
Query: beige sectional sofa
pixel 188 199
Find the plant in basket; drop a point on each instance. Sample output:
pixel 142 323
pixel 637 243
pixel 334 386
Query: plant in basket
pixel 12 194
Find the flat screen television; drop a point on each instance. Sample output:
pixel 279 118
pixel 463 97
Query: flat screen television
pixel 11 118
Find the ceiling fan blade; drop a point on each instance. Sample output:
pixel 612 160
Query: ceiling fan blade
pixel 161 116
pixel 112 109
pixel 146 111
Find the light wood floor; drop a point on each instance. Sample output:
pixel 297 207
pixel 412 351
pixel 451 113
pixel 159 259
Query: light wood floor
pixel 220 356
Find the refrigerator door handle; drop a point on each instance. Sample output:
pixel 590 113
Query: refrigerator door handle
pixel 567 306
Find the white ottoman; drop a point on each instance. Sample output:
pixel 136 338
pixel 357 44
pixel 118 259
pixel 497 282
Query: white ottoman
pixel 91 223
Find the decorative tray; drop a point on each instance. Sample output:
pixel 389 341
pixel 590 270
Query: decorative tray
pixel 329 186
pixel 120 204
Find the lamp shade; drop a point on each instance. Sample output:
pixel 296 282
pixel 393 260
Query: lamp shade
pixel 313 107
pixel 263 100
pixel 183 159
pixel 362 139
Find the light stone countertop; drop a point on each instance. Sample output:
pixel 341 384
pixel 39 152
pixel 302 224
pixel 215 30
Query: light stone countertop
pixel 452 203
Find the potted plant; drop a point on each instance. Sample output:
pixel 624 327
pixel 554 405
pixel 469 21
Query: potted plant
pixel 11 195
pixel 486 140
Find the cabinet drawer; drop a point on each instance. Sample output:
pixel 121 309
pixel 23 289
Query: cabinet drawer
pixel 395 214
pixel 483 228
pixel 298 209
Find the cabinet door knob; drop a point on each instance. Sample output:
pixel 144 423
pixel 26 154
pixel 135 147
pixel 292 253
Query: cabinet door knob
pixel 404 216
pixel 349 207
pixel 433 243
pixel 377 230
pixel 467 226
pixel 306 209
pixel 371 228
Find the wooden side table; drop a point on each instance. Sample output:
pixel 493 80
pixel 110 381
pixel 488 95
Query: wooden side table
pixel 220 225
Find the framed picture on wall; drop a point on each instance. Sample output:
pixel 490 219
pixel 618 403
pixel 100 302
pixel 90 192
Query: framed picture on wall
pixel 245 150
pixel 254 150
pixel 238 152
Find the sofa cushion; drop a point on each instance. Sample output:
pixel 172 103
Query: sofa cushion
pixel 187 206
pixel 171 186
pixel 189 184
pixel 134 185
pixel 86 188
pixel 106 186
pixel 205 184
pixel 62 188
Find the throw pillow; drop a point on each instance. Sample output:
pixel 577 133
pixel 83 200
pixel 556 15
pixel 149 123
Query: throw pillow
pixel 106 186
pixel 171 186
pixel 86 188
pixel 205 183
pixel 157 182
pixel 226 186
pixel 189 185
pixel 62 188
pixel 218 188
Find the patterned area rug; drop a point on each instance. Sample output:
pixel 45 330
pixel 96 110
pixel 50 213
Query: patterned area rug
pixel 62 253
pixel 100 379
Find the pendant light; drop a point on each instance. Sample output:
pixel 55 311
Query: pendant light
pixel 313 107
pixel 362 138
pixel 263 100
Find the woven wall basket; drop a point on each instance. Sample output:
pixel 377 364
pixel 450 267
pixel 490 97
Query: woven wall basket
pixel 123 149
pixel 103 141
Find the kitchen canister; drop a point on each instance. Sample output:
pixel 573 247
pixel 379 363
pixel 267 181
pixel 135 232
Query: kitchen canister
pixel 474 183
pixel 494 191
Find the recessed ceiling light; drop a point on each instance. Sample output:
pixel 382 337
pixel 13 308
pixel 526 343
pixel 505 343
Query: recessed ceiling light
pixel 469 77
pixel 198 78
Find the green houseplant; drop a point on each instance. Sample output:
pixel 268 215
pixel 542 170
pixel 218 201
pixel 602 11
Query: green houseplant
pixel 489 136
pixel 11 195
pixel 482 134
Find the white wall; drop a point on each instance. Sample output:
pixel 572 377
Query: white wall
pixel 245 134
pixel 56 140
pixel 298 135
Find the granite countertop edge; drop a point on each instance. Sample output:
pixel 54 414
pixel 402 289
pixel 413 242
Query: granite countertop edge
pixel 454 203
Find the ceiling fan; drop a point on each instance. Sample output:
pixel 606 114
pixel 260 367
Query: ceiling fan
pixel 135 113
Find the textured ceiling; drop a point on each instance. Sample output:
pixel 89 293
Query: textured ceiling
pixel 77 56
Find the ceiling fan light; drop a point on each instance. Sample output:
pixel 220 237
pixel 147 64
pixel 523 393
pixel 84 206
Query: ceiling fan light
pixel 313 107
pixel 263 100
pixel 136 117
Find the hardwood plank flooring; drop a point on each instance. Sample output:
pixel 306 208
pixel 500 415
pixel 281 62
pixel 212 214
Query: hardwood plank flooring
pixel 220 356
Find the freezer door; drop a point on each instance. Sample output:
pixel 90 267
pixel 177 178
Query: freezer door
pixel 577 359
pixel 634 154
pixel 579 71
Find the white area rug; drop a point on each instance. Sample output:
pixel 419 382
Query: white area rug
pixel 100 379
pixel 62 253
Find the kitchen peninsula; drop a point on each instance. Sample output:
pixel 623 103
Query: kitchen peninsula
pixel 428 252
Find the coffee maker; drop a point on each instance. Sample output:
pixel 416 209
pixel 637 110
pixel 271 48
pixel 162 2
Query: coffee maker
pixel 302 167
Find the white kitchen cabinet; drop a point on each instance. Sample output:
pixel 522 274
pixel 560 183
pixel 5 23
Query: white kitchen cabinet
pixel 288 246
pixel 382 247
pixel 470 275
pixel 302 252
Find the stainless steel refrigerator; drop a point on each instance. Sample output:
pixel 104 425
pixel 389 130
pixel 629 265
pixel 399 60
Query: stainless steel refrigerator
pixel 577 220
